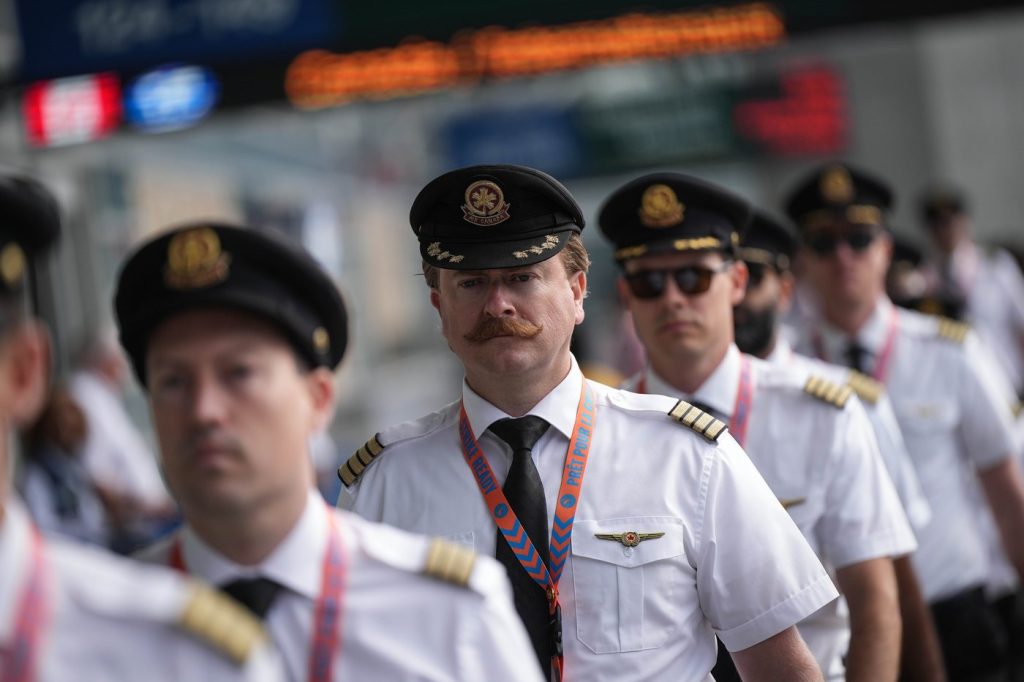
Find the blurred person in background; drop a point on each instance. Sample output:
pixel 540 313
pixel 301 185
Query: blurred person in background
pixel 234 335
pixel 117 457
pixel 907 283
pixel 675 238
pixel 52 482
pixel 662 534
pixel 985 282
pixel 768 247
pixel 951 408
pixel 71 612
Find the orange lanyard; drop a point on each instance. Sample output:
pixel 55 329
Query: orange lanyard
pixel 18 664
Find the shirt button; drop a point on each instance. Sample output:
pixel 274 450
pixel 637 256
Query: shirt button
pixel 628 551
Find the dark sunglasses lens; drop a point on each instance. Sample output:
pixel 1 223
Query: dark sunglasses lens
pixel 860 239
pixel 693 280
pixel 756 271
pixel 646 283
pixel 822 244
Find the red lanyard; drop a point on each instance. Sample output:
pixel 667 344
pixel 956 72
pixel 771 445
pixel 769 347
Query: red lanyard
pixel 744 399
pixel 327 610
pixel 881 371
pixel 565 511
pixel 19 663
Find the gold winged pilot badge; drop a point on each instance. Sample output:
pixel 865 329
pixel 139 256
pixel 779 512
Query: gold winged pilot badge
pixel 629 538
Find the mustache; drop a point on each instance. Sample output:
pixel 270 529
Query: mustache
pixel 492 327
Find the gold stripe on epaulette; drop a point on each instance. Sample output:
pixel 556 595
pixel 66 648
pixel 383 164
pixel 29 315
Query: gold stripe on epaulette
pixel 698 420
pixel 220 622
pixel 826 391
pixel 867 389
pixel 1018 408
pixel 449 562
pixel 357 463
pixel 953 330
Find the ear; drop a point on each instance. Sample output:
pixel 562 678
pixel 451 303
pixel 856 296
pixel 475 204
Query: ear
pixel 787 284
pixel 435 299
pixel 320 382
pixel 738 276
pixel 578 284
pixel 886 246
pixel 26 372
pixel 625 295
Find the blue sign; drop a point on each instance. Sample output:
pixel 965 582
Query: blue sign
pixel 170 98
pixel 68 37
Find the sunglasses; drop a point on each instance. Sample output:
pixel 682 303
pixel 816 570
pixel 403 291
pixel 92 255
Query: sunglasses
pixel 824 243
pixel 691 280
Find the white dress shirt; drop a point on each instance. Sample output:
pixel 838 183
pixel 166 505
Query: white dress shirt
pixel 823 462
pixel 397 623
pixel 954 420
pixel 110 618
pixel 730 561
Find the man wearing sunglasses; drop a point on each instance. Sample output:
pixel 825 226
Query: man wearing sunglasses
pixel 675 239
pixel 666 533
pixel 768 248
pixel 955 420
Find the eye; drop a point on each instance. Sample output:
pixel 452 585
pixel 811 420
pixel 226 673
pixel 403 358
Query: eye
pixel 468 283
pixel 165 382
pixel 521 277
pixel 239 372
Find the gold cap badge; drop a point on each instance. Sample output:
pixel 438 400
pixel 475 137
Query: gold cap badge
pixel 836 185
pixel 659 207
pixel 12 264
pixel 485 204
pixel 195 260
pixel 321 340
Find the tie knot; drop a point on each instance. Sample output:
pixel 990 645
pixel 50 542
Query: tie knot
pixel 522 433
pixel 256 594
pixel 857 355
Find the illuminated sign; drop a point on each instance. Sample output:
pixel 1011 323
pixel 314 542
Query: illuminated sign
pixel 170 98
pixel 71 110
pixel 320 79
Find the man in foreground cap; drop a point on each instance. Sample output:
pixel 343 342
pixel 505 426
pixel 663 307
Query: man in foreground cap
pixel 675 237
pixel 633 527
pixel 71 612
pixel 954 417
pixel 986 283
pixel 234 335
pixel 768 248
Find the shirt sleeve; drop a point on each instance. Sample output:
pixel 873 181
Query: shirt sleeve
pixel 756 575
pixel 864 518
pixel 986 423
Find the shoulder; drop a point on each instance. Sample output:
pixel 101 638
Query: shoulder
pixel 102 587
pixel 661 411
pixel 395 437
pixel 804 383
pixel 933 327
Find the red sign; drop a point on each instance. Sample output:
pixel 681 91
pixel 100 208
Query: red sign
pixel 72 110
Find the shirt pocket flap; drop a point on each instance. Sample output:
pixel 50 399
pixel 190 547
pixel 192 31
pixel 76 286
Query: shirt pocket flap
pixel 629 542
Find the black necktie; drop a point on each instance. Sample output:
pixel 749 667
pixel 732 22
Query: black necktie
pixel 525 494
pixel 256 594
pixel 857 356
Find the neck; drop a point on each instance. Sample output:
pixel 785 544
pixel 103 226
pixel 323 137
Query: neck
pixel 689 374
pixel 247 537
pixel 516 395
pixel 849 318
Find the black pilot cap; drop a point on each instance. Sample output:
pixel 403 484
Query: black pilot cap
pixel 499 216
pixel 210 265
pixel 29 226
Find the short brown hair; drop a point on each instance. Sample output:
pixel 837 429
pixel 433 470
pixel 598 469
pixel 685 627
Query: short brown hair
pixel 574 257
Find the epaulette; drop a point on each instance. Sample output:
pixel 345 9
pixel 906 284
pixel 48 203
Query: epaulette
pixel 1018 408
pixel 867 389
pixel 349 471
pixel 216 619
pixel 449 562
pixel 953 330
pixel 826 391
pixel 698 420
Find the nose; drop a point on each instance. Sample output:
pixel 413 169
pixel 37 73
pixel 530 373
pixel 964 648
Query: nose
pixel 498 303
pixel 208 400
pixel 672 296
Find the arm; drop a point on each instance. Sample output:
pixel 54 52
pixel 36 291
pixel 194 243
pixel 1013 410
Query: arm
pixel 920 656
pixel 870 591
pixel 781 658
pixel 1004 490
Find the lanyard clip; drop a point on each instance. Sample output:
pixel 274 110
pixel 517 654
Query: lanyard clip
pixel 555 631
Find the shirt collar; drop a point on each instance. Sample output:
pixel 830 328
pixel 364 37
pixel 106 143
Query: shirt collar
pixel 717 392
pixel 558 407
pixel 782 354
pixel 295 563
pixel 14 556
pixel 871 335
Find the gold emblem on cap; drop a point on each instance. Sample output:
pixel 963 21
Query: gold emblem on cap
pixel 660 207
pixel 836 185
pixel 485 204
pixel 12 264
pixel 195 260
pixel 321 340
pixel 629 538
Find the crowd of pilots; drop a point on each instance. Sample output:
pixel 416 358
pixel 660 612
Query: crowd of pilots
pixel 816 474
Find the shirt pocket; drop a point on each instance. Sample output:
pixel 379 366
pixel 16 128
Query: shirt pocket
pixel 928 419
pixel 628 598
